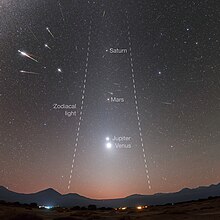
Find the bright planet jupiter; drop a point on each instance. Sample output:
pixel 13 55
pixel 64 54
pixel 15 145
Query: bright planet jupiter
pixel 109 98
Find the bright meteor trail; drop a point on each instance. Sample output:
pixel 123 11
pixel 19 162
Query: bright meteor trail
pixel 47 28
pixel 46 45
pixel 30 72
pixel 26 55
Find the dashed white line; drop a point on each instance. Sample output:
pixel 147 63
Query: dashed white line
pixel 136 102
pixel 82 105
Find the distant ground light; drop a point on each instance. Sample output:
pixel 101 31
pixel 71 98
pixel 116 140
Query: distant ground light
pixel 45 207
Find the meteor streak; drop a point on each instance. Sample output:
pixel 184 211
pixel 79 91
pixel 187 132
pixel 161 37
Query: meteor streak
pixel 33 34
pixel 46 45
pixel 26 55
pixel 24 71
pixel 47 28
pixel 166 103
pixel 61 11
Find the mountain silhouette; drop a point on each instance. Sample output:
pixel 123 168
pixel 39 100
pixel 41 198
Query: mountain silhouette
pixel 54 198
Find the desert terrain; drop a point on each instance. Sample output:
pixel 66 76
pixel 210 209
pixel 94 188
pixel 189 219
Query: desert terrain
pixel 202 209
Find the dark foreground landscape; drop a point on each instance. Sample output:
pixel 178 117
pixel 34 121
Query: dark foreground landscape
pixel 201 210
pixel 52 198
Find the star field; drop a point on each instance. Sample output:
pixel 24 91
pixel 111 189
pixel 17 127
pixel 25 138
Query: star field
pixel 161 92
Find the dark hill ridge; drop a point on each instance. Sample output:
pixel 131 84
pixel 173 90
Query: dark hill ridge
pixel 52 197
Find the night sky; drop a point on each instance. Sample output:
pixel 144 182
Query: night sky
pixel 160 94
